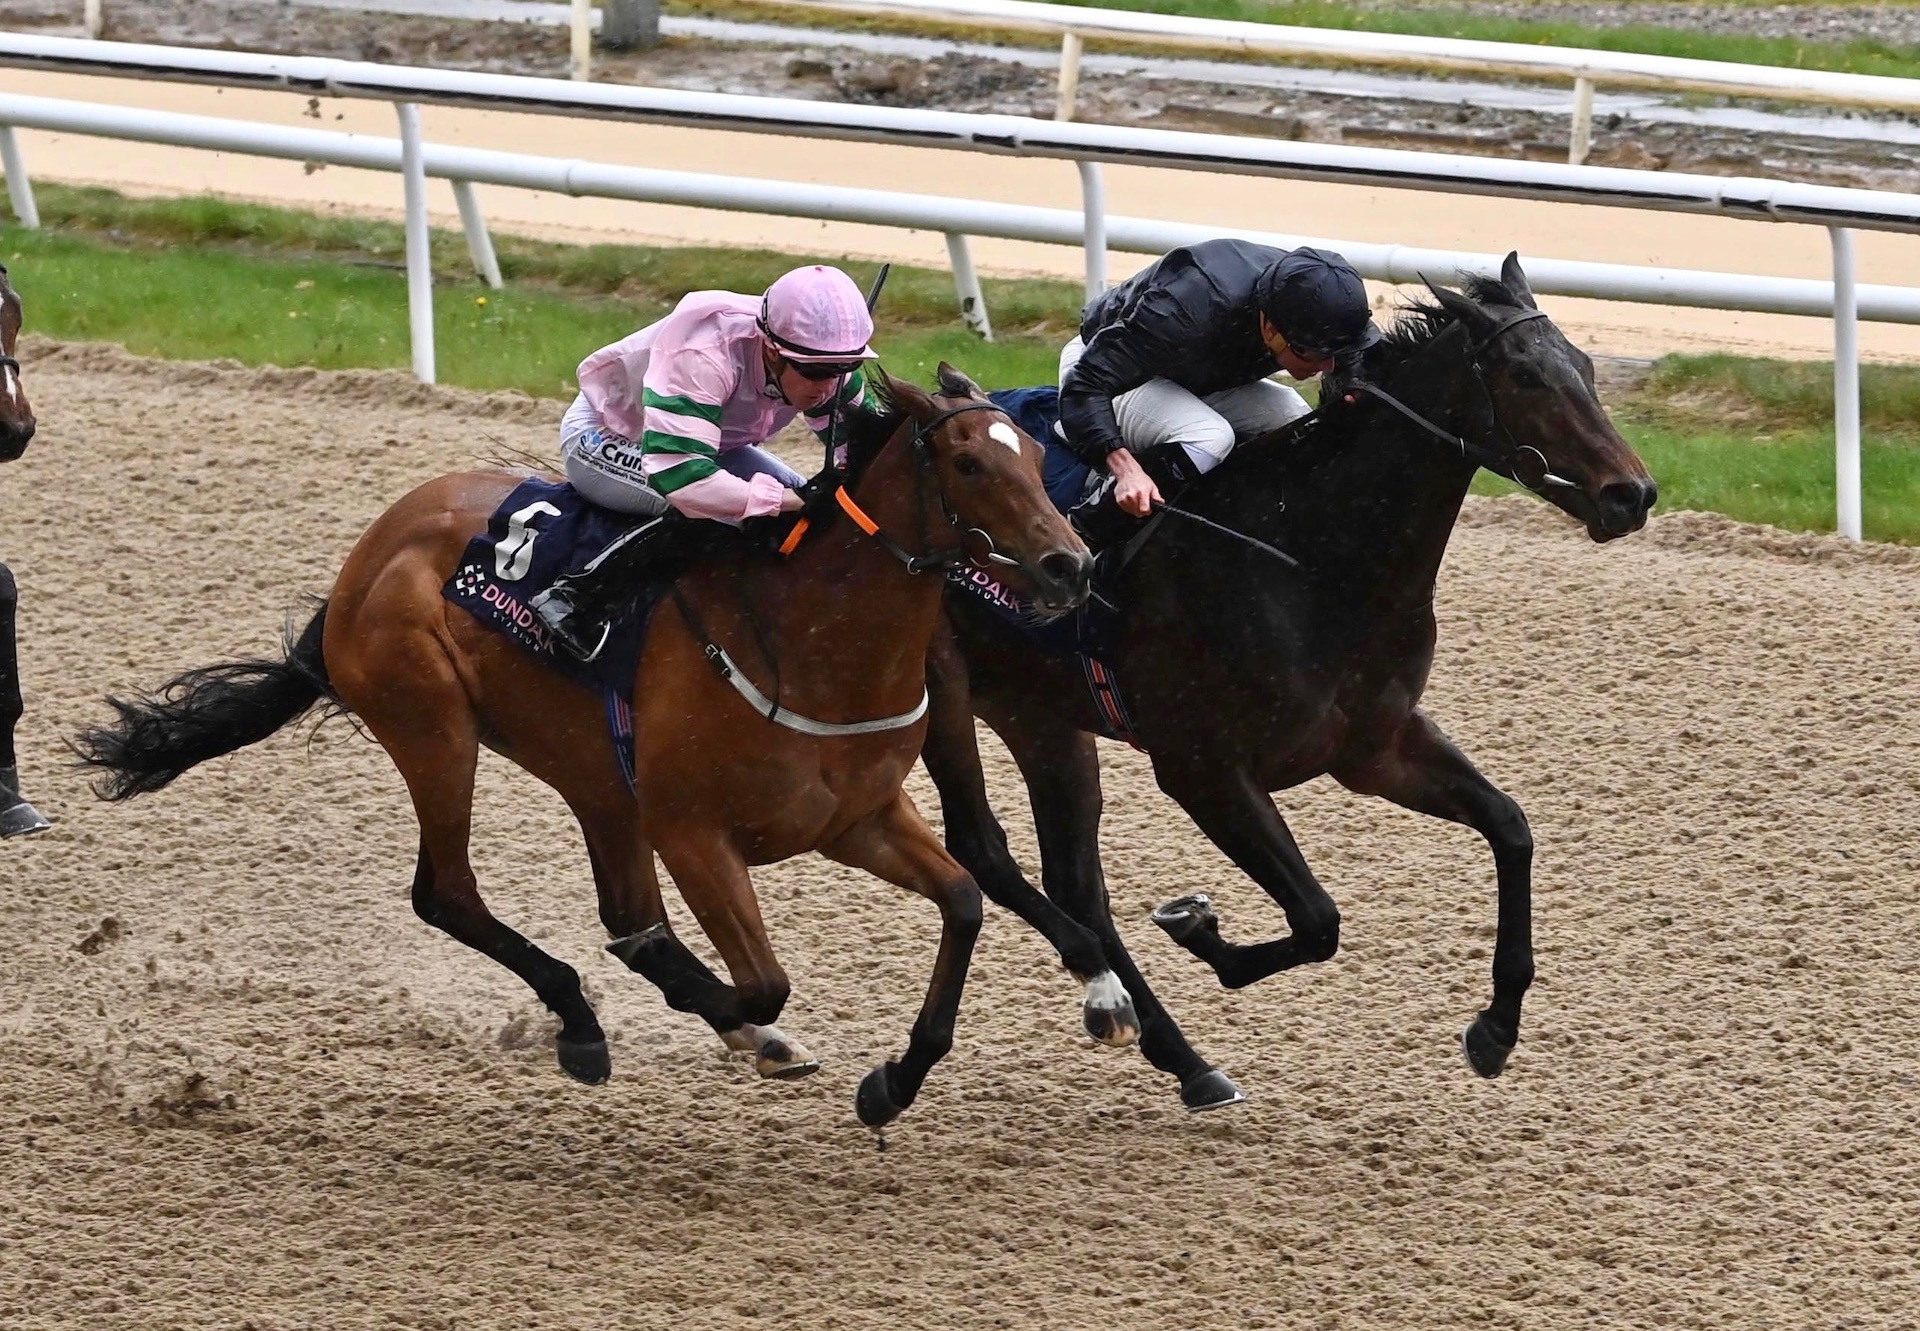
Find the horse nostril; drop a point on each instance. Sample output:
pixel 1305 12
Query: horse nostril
pixel 1068 569
pixel 1624 505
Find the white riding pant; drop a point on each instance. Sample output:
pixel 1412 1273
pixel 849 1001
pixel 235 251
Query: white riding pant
pixel 605 467
pixel 1160 412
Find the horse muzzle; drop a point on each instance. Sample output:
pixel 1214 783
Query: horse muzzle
pixel 14 437
pixel 1061 581
pixel 1620 509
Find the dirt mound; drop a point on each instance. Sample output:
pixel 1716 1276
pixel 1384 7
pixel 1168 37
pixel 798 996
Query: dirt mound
pixel 265 1094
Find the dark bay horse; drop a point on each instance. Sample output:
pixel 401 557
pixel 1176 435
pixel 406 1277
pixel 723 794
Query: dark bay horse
pixel 17 817
pixel 1248 673
pixel 838 632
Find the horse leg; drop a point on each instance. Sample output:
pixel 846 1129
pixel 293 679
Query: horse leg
pixel 895 844
pixel 976 839
pixel 438 765
pixel 17 817
pixel 1062 772
pixel 1423 771
pixel 635 916
pixel 1240 818
pixel 712 877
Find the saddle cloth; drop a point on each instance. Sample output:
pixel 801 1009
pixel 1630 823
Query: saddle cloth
pixel 540 531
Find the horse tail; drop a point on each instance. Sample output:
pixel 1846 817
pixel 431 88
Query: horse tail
pixel 205 713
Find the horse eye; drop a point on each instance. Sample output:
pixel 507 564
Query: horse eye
pixel 967 464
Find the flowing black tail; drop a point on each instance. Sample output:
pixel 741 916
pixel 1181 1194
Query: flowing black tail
pixel 203 714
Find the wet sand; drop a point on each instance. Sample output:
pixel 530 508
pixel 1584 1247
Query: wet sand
pixel 245 1087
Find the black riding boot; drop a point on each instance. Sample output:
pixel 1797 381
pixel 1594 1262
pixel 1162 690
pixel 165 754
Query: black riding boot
pixel 580 607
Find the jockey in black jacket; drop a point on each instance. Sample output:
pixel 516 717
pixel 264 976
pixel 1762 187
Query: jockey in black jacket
pixel 1171 366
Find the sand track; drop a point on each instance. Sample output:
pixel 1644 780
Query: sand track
pixel 266 1096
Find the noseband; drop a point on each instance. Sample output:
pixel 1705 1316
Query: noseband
pixel 1505 463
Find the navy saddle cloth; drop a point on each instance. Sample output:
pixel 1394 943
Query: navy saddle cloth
pixel 539 532
pixel 1037 411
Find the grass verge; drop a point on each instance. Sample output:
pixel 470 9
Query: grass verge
pixel 201 279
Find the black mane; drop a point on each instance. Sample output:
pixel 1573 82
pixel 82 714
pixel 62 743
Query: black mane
pixel 1421 319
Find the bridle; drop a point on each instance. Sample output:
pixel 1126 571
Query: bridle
pixel 1507 463
pixel 940 561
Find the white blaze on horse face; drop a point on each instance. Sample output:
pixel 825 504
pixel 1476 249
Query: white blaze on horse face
pixel 11 377
pixel 1003 433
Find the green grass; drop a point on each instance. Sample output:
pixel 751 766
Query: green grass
pixel 1646 37
pixel 203 279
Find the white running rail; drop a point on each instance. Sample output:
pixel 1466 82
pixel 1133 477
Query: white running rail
pixel 1753 199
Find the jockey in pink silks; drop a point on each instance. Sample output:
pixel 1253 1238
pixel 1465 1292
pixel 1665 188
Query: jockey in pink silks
pixel 671 418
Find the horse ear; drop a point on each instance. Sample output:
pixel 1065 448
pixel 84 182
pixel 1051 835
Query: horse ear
pixel 955 384
pixel 909 396
pixel 1515 281
pixel 1462 308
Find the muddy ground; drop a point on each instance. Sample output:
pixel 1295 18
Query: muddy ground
pixel 241 1086
pixel 811 66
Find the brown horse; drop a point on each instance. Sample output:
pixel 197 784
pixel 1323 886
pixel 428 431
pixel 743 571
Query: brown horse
pixel 17 817
pixel 838 631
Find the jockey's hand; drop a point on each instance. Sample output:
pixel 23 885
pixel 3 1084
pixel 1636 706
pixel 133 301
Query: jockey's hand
pixel 1133 490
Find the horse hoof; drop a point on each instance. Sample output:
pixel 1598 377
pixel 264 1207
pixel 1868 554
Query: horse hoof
pixel 1212 1089
pixel 1185 917
pixel 1108 1014
pixel 1486 1052
pixel 874 1102
pixel 780 1061
pixel 21 819
pixel 586 1061
pixel 1116 1029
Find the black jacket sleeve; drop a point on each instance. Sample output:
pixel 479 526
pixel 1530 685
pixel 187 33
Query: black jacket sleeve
pixel 1120 358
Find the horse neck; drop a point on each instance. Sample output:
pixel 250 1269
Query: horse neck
pixel 1372 521
pixel 844 617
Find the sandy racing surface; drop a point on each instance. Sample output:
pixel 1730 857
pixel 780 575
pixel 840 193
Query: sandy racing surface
pixel 245 1087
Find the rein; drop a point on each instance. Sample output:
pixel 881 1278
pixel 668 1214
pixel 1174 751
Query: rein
pixel 932 561
pixel 1508 463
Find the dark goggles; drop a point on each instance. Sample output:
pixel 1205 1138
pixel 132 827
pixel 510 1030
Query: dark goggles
pixel 819 371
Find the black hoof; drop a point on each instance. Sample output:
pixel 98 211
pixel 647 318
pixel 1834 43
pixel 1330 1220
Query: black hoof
pixel 1486 1052
pixel 1212 1089
pixel 1114 1027
pixel 874 1101
pixel 587 1061
pixel 1185 918
pixel 21 819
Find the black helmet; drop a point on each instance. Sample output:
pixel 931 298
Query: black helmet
pixel 1317 301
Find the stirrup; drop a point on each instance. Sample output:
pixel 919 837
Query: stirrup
pixel 17 817
pixel 558 612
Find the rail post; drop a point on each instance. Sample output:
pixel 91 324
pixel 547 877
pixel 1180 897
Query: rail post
pixel 966 284
pixel 1846 386
pixel 1071 46
pixel 479 243
pixel 1580 135
pixel 1093 211
pixel 19 188
pixel 413 171
pixel 94 18
pixel 580 62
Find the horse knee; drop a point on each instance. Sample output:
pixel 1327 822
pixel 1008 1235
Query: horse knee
pixel 961 908
pixel 1509 835
pixel 1317 933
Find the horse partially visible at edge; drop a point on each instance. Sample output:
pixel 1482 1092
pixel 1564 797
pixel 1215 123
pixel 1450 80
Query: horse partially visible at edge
pixel 17 816
pixel 837 634
pixel 1249 670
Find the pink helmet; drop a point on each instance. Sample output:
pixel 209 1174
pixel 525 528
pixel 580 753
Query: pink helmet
pixel 817 314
